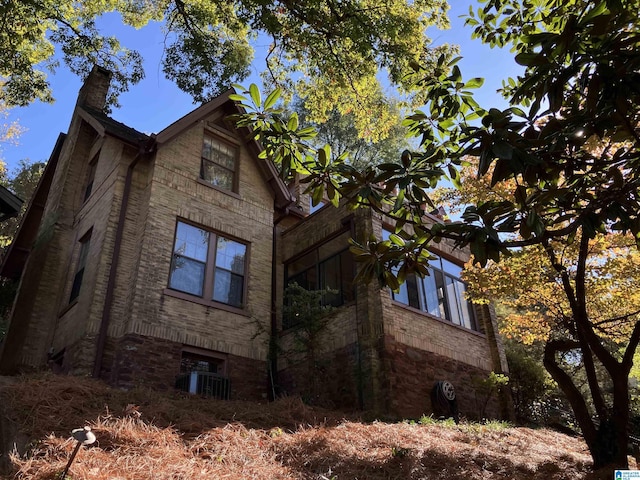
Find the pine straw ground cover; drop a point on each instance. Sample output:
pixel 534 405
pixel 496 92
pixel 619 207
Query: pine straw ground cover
pixel 146 435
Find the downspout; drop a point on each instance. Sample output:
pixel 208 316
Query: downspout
pixel 273 347
pixel 144 149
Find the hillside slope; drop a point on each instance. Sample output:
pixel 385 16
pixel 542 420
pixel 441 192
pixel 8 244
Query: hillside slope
pixel 147 435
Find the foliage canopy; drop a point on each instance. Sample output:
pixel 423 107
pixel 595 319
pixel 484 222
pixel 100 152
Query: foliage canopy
pixel 566 153
pixel 330 52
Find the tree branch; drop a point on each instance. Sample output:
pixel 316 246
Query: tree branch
pixel 572 393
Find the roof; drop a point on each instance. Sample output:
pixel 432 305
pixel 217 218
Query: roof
pixel 10 204
pixel 284 197
pixel 104 124
pixel 107 125
pixel 17 253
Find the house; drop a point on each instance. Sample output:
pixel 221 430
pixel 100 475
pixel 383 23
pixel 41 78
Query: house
pixel 162 259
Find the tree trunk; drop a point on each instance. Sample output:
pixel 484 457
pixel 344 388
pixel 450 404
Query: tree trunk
pixel 607 441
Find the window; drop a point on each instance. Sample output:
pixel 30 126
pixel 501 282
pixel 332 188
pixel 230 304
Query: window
pixel 328 266
pixel 440 294
pixel 219 163
pixel 82 262
pixel 208 265
pixel 90 177
pixel 203 375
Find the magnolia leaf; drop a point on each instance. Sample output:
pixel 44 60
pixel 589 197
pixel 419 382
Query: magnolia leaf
pixel 254 91
pixel 272 98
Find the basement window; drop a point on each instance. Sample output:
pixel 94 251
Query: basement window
pixel 203 375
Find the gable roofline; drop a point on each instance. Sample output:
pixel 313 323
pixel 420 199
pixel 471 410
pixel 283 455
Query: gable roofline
pixel 10 204
pixel 16 255
pixel 284 198
pixel 105 125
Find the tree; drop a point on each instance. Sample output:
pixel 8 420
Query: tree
pixel 340 132
pixel 22 182
pixel 330 52
pixel 581 87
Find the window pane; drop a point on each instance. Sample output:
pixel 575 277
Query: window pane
pixel 347 268
pixel 442 308
pixel 187 275
pixel 82 262
pixel 228 288
pixel 408 293
pixel 451 268
pixel 230 255
pixel 464 306
pixel 432 302
pixel 192 362
pixel 306 279
pixel 217 175
pixel 77 283
pixel 302 264
pixel 191 242
pixel 219 152
pixel 330 278
pixel 452 299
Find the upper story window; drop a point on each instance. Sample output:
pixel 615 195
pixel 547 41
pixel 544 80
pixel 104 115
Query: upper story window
pixel 91 174
pixel 219 165
pixel 85 242
pixel 328 266
pixel 441 293
pixel 208 265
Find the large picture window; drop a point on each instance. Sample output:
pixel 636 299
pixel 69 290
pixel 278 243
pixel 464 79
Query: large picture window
pixel 208 265
pixel 441 293
pixel 219 163
pixel 328 267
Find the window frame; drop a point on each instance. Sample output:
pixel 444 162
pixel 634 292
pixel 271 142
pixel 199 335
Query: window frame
pixel 90 178
pixel 210 268
pixel 203 382
pixel 319 274
pixel 81 265
pixel 418 299
pixel 208 132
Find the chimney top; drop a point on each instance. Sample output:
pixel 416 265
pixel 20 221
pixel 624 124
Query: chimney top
pixel 95 88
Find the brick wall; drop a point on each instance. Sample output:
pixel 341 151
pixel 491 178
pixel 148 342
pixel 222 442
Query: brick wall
pixel 332 382
pixel 155 363
pixel 411 374
pixel 42 305
pixel 247 215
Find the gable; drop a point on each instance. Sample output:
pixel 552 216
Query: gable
pixel 211 116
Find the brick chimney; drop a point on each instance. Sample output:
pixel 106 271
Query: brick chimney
pixel 94 91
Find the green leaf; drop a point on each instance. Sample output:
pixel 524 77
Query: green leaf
pixel 397 240
pixel 292 124
pixel 237 98
pixel 454 176
pixel 272 98
pixel 255 94
pixel 531 59
pixel 474 83
pixel 317 195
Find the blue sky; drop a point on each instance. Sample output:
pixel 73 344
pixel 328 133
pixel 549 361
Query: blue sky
pixel 156 102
